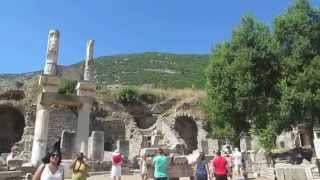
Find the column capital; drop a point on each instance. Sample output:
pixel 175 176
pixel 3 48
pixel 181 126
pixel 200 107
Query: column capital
pixel 49 83
pixel 86 88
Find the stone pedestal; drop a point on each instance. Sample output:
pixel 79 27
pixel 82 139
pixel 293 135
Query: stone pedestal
pixel 155 140
pixel 96 146
pixel 68 139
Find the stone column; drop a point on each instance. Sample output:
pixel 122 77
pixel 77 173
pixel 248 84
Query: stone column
pixel 49 84
pixel 50 67
pixel 89 70
pixel 88 90
pixel 83 129
pixel 40 135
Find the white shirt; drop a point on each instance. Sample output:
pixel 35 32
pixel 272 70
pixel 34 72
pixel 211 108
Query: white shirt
pixel 237 158
pixel 47 175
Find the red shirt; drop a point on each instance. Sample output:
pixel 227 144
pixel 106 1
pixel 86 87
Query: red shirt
pixel 220 165
pixel 117 158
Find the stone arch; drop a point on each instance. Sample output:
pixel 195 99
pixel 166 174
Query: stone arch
pixel 187 129
pixel 11 128
pixel 141 115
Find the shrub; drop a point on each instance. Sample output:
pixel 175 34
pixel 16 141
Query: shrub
pixel 127 96
pixel 67 87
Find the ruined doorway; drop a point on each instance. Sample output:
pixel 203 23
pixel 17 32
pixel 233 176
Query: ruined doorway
pixel 188 131
pixel 11 128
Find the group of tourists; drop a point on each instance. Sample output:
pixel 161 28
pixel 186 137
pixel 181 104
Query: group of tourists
pixel 220 167
pixel 51 169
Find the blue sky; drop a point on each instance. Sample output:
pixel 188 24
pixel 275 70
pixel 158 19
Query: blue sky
pixel 119 26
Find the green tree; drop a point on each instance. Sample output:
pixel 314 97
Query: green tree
pixel 242 81
pixel 298 34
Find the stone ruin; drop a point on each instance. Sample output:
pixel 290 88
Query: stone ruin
pixel 85 125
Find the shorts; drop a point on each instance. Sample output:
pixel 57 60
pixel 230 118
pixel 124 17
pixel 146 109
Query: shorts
pixel 161 178
pixel 221 177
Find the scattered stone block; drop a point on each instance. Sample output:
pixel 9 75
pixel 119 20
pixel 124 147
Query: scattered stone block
pixel 14 164
pixel 96 146
pixel 68 143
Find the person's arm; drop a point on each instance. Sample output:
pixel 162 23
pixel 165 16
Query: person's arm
pixel 38 172
pixel 208 170
pixel 171 160
pixel 73 164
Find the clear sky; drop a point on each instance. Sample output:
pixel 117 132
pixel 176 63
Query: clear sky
pixel 119 26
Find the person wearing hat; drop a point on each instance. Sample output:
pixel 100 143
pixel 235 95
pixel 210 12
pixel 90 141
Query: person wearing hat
pixel 51 168
pixel 80 168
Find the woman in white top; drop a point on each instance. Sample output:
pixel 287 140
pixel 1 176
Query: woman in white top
pixel 143 168
pixel 117 160
pixel 51 168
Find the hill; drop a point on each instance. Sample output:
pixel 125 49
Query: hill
pixel 158 69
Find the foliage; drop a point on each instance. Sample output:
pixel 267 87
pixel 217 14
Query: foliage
pixel 127 96
pixel 265 79
pixel 242 77
pixel 162 70
pixel 266 138
pixel 67 87
pixel 298 33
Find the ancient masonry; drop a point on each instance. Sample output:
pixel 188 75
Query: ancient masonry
pixel 85 125
pixel 49 82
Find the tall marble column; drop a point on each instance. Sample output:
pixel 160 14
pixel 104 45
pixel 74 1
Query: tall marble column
pixel 83 128
pixel 49 83
pixel 40 135
pixel 87 88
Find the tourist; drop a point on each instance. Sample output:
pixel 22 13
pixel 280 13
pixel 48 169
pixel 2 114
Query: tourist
pixel 80 168
pixel 220 167
pixel 237 161
pixel 229 160
pixel 160 163
pixel 143 167
pixel 117 160
pixel 202 169
pixel 51 168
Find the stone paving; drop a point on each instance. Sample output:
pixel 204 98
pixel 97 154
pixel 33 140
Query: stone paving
pixel 134 177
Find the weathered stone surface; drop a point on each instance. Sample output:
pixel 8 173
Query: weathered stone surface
pixel 68 143
pixel 293 172
pixel 96 149
pixel 123 147
pixel 14 164
pixel 11 174
pixel 52 53
pixel 89 71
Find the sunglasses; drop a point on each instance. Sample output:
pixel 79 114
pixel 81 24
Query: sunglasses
pixel 55 155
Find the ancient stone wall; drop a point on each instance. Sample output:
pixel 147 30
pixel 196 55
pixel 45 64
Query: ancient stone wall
pixel 61 118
